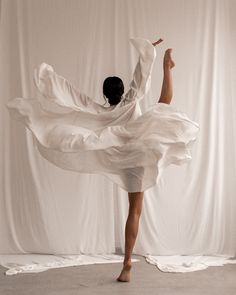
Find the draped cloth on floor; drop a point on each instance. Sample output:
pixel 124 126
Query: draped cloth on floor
pixel 75 133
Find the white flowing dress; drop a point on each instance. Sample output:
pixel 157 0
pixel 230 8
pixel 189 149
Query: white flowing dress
pixel 75 133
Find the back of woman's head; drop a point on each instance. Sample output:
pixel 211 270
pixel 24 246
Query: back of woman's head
pixel 113 89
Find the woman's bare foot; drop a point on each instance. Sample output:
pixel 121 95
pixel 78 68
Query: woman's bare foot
pixel 125 273
pixel 168 62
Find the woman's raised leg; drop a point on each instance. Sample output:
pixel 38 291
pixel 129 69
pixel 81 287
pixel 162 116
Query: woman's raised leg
pixel 131 231
pixel 167 84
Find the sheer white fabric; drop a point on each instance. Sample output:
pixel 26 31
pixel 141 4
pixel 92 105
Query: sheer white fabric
pixel 33 263
pixel 76 133
pixel 45 209
pixel 188 263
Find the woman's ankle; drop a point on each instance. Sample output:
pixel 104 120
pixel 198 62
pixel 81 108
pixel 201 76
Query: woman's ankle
pixel 127 261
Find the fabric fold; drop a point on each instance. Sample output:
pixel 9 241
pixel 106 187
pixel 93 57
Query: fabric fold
pixel 187 263
pixel 35 263
pixel 75 133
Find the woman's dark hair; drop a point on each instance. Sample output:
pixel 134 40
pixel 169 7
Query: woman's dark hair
pixel 113 89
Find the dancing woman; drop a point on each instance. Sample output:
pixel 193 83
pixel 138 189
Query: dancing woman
pixel 132 149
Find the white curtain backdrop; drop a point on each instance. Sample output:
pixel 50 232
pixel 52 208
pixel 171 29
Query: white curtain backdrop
pixel 192 210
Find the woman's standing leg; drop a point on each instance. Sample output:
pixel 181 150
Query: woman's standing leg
pixel 131 231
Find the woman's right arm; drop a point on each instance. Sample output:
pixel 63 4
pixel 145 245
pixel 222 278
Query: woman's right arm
pixel 140 83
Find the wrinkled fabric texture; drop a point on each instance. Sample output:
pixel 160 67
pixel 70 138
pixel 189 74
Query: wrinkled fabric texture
pixel 75 133
pixel 33 263
pixel 178 263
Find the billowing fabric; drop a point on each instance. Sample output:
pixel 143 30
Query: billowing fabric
pixel 75 133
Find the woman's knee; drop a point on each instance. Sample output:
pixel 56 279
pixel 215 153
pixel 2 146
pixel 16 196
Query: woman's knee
pixel 135 211
pixel 135 203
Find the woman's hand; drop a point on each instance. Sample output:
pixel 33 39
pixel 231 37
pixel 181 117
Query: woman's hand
pixel 157 42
